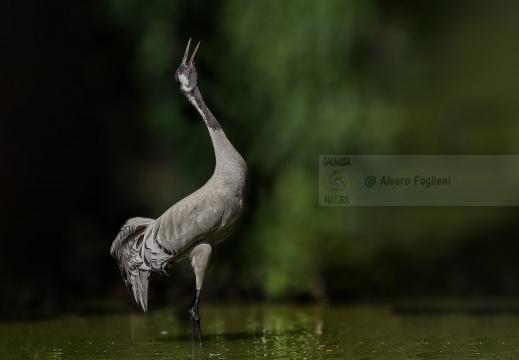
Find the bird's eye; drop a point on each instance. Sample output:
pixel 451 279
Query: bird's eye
pixel 180 72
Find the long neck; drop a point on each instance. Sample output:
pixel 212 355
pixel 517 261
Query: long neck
pixel 195 98
pixel 228 160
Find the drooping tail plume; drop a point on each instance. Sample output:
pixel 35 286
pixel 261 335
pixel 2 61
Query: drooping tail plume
pixel 126 248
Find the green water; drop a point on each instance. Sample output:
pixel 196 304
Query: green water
pixel 267 332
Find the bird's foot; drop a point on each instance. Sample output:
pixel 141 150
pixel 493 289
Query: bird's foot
pixel 195 325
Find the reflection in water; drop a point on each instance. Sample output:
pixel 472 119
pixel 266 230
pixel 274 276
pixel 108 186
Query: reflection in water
pixel 284 334
pixel 55 354
pixel 318 328
pixel 272 332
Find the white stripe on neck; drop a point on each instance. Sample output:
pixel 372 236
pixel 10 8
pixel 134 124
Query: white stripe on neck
pixel 192 100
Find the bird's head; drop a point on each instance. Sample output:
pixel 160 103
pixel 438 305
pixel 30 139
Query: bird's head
pixel 186 74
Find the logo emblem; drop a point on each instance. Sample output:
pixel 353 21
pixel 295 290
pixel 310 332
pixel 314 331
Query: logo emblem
pixel 336 181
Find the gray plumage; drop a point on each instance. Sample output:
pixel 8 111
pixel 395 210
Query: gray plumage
pixel 192 226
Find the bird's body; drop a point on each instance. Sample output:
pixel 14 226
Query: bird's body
pixel 192 226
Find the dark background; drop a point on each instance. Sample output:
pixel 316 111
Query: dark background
pixel 93 130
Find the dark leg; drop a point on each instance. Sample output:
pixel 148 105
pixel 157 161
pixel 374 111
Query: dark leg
pixel 200 258
pixel 195 319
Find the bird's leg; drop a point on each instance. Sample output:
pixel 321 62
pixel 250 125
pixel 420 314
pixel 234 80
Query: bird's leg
pixel 200 258
pixel 195 319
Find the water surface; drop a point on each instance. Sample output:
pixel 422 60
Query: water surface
pixel 267 332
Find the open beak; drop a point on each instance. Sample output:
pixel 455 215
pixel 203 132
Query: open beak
pixel 192 60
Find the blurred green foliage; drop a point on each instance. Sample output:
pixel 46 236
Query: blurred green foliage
pixel 290 80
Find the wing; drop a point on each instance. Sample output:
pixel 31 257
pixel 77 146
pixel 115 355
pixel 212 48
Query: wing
pixel 196 217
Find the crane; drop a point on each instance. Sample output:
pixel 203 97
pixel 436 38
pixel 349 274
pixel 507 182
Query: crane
pixel 194 225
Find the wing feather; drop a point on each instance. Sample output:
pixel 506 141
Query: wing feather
pixel 190 220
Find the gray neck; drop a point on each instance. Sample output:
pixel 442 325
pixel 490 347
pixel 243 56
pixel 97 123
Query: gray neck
pixel 228 161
